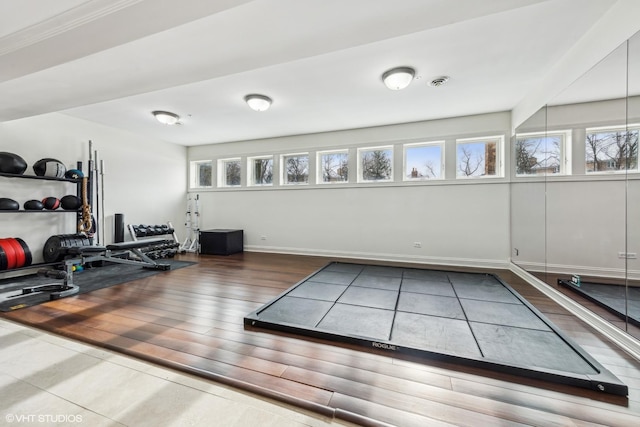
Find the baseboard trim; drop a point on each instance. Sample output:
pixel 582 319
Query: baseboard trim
pixel 622 339
pixel 617 273
pixel 371 256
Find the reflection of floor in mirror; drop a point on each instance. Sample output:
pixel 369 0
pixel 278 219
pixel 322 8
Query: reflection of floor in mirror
pixel 618 299
pixel 471 318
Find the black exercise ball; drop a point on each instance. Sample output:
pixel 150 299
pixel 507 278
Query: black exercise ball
pixel 70 203
pixel 33 205
pixel 51 203
pixel 12 163
pixel 49 167
pixel 8 204
pixel 73 174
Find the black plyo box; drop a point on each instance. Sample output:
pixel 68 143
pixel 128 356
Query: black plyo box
pixel 221 241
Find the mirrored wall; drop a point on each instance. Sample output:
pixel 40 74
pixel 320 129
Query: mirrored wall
pixel 575 199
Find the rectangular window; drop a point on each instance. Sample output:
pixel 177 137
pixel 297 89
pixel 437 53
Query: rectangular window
pixel 260 170
pixel 295 168
pixel 542 153
pixel 611 149
pixel 376 164
pixel 479 157
pixel 201 174
pixel 229 173
pixel 423 161
pixel 333 166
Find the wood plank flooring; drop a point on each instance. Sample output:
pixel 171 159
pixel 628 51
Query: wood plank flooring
pixel 192 319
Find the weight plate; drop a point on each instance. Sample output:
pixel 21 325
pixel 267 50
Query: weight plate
pixel 3 259
pixel 70 241
pixel 28 258
pixel 10 252
pixel 52 249
pixel 18 252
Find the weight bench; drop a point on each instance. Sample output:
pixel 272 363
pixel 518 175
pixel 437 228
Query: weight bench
pixel 116 252
pixel 80 255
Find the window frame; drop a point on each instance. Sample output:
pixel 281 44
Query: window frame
pixel 194 174
pixel 222 172
pixel 360 170
pixel 498 140
pixel 565 151
pixel 440 144
pixel 283 168
pixel 604 129
pixel 250 170
pixel 320 169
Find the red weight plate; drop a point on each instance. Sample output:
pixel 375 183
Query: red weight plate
pixel 18 251
pixel 28 258
pixel 10 252
pixel 3 259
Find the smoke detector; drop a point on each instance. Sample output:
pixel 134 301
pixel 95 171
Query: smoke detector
pixel 438 81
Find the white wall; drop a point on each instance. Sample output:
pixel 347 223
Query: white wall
pixel 144 179
pixel 457 222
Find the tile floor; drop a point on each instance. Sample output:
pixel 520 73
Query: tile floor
pixel 49 380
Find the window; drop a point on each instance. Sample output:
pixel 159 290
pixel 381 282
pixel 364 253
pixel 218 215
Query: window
pixel 260 170
pixel 295 168
pixel 201 174
pixel 611 149
pixel 542 153
pixel 376 164
pixel 229 172
pixel 423 161
pixel 333 166
pixel 478 157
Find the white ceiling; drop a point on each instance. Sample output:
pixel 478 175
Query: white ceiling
pixel 114 61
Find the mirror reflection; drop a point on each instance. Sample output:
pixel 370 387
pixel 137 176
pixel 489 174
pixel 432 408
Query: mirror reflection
pixel 575 189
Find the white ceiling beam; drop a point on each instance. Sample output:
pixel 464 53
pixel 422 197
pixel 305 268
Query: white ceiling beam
pixel 617 25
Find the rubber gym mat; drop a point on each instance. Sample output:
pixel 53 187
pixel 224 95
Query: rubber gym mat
pixel 90 279
pixel 624 303
pixel 474 319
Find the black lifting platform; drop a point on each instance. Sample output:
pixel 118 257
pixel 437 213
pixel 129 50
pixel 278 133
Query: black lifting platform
pixel 468 318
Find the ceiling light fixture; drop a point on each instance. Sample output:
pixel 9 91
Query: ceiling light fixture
pixel 258 102
pixel 166 117
pixel 398 78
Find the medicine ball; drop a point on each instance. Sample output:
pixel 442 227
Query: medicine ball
pixel 8 204
pixel 49 167
pixel 73 174
pixel 51 203
pixel 12 163
pixel 70 203
pixel 33 205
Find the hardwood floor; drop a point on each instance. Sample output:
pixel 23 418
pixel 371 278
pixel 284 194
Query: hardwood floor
pixel 192 319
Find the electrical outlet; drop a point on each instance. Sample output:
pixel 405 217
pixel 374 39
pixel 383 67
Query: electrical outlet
pixel 417 244
pixel 627 255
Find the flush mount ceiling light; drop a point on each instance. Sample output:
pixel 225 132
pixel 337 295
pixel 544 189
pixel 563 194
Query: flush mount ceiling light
pixel 166 117
pixel 258 102
pixel 398 78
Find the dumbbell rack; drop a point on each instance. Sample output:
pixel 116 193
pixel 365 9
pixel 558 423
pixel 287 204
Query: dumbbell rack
pixel 166 249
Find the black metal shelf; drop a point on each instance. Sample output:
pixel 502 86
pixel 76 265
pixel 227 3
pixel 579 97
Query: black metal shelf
pixel 44 178
pixel 40 211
